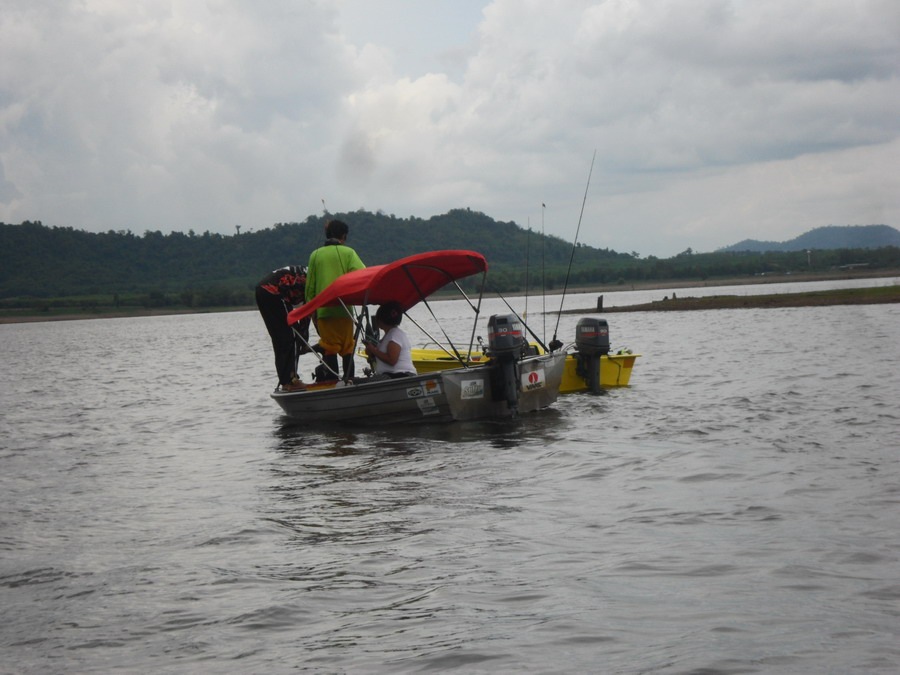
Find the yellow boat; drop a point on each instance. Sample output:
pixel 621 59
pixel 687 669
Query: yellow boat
pixel 615 369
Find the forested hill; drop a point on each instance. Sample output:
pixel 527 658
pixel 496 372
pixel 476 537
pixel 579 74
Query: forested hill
pixel 826 238
pixel 41 261
pixel 38 263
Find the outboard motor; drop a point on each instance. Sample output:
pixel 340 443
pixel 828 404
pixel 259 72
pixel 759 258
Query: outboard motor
pixel 591 342
pixel 506 339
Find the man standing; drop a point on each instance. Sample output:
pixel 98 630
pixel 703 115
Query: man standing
pixel 334 324
pixel 276 294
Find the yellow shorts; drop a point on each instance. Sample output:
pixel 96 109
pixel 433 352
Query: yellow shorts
pixel 336 335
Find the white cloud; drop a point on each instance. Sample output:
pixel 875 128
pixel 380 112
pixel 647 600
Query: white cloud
pixel 713 122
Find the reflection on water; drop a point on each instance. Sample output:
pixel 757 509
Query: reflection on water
pixel 732 511
pixel 400 439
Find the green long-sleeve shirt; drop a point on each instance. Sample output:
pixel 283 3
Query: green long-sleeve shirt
pixel 326 264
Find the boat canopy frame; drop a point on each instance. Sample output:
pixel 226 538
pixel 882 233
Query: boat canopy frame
pixel 408 281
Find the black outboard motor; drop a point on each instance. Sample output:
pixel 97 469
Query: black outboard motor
pixel 591 342
pixel 506 339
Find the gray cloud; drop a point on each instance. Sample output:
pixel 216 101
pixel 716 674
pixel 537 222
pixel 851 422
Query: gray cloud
pixel 712 121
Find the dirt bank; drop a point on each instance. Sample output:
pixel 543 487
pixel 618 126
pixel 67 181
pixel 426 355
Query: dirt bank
pixel 733 281
pixel 847 296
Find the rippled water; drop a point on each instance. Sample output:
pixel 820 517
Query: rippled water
pixel 734 511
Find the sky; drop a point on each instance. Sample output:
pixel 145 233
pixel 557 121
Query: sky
pixel 646 126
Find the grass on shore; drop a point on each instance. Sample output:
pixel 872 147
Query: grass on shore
pixel 842 296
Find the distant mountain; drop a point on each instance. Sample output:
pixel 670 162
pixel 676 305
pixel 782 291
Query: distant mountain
pixel 826 238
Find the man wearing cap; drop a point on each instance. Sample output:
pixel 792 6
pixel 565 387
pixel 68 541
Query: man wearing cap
pixel 276 294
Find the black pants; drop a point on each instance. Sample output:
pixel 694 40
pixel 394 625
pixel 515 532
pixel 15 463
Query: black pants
pixel 274 312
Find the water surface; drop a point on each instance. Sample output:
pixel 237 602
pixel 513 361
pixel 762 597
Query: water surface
pixel 733 511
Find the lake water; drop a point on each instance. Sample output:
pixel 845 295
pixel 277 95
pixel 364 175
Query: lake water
pixel 736 510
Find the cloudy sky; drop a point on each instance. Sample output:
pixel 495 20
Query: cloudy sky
pixel 712 120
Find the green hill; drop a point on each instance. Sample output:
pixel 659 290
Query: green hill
pixel 826 238
pixel 40 261
pixel 45 268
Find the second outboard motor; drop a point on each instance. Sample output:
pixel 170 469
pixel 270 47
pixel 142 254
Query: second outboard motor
pixel 591 342
pixel 506 339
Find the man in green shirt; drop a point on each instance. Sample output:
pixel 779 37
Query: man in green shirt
pixel 333 324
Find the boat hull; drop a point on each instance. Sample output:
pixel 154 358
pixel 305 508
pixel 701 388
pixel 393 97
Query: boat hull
pixel 421 398
pixel 473 393
pixel 615 371
pixel 449 395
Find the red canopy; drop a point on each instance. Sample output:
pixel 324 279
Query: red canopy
pixel 406 281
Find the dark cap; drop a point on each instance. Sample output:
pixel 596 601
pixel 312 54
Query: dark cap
pixel 390 313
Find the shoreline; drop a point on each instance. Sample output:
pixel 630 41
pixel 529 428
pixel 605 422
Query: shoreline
pixel 43 317
pixel 873 295
pixel 665 284
pixel 662 284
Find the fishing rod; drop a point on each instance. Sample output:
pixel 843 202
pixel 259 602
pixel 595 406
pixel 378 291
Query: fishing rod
pixel 309 349
pixel 555 343
pixel 543 275
pixel 527 250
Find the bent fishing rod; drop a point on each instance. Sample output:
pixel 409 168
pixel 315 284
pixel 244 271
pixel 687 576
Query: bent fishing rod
pixel 555 343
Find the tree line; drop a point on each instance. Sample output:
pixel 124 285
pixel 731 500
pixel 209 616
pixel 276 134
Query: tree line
pixel 48 267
